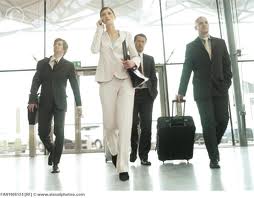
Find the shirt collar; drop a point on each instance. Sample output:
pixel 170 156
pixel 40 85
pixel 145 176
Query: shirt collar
pixel 204 38
pixel 141 54
pixel 52 59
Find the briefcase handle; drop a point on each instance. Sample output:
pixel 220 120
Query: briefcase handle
pixel 176 101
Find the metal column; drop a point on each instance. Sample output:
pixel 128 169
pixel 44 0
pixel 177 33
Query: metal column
pixel 45 26
pixel 78 141
pixel 240 110
pixel 166 111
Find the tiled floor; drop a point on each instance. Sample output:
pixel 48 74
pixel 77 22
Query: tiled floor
pixel 89 173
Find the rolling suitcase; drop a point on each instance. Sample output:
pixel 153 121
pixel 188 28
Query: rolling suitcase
pixel 175 136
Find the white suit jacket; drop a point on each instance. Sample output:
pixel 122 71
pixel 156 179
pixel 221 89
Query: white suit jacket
pixel 111 55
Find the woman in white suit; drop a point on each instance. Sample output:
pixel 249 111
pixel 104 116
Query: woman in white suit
pixel 116 91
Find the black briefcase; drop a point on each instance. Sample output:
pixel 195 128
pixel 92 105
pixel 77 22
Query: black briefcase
pixel 137 79
pixel 175 137
pixel 33 116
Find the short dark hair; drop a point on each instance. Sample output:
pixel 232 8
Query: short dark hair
pixel 142 35
pixel 65 45
pixel 105 8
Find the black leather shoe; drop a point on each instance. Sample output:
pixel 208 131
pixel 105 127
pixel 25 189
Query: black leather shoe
pixel 133 157
pixel 146 163
pixel 124 176
pixel 51 154
pixel 50 159
pixel 214 164
pixel 114 159
pixel 55 169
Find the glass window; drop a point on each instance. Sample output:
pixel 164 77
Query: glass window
pixel 22 39
pixel 242 21
pixel 21 35
pixel 14 128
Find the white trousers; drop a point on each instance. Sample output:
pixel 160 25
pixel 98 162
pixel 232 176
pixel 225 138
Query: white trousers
pixel 117 99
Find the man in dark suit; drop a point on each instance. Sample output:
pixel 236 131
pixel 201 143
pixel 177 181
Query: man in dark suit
pixel 143 105
pixel 207 57
pixel 52 75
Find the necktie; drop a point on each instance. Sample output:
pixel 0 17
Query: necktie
pixel 54 64
pixel 140 68
pixel 207 47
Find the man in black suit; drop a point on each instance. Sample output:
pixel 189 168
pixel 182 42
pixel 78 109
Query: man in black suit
pixel 207 57
pixel 143 105
pixel 52 75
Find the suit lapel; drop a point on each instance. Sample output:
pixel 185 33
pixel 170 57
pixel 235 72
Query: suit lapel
pixel 117 42
pixel 213 47
pixel 47 63
pixel 201 46
pixel 59 64
pixel 145 64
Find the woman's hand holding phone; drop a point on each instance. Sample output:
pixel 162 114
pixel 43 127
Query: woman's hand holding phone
pixel 99 23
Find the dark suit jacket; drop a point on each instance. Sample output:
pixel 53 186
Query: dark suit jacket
pixel 149 71
pixel 211 77
pixel 53 83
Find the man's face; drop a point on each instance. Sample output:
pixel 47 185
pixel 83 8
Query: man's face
pixel 58 47
pixel 202 26
pixel 140 43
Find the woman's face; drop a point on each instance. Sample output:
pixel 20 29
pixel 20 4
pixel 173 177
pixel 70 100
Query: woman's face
pixel 107 17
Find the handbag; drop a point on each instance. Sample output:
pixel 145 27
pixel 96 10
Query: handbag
pixel 137 78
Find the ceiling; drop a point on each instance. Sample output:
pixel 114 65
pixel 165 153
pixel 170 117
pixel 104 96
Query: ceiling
pixel 30 13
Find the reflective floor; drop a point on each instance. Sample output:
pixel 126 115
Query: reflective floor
pixel 90 173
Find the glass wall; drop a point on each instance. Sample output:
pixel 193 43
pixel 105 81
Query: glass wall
pixel 14 128
pixel 244 21
pixel 22 38
pixel 21 34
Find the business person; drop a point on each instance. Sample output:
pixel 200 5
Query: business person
pixel 143 105
pixel 207 57
pixel 116 91
pixel 52 75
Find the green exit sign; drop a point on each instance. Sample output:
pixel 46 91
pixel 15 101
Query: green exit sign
pixel 77 64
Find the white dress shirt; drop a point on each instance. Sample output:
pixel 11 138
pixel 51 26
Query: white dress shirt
pixel 53 59
pixel 141 62
pixel 141 55
pixel 207 44
pixel 111 55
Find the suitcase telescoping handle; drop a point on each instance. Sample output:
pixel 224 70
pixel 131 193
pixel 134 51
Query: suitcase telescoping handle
pixel 176 101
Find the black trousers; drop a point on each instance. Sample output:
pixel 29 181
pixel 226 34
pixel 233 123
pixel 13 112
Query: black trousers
pixel 214 118
pixel 46 113
pixel 142 116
